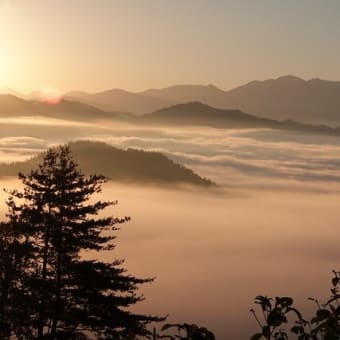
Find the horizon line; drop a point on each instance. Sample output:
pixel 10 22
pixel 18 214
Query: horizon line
pixel 6 90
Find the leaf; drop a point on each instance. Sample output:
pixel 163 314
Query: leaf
pixel 284 301
pixel 296 329
pixel 335 281
pixel 331 335
pixel 264 301
pixel 168 325
pixel 275 318
pixel 321 315
pixel 303 337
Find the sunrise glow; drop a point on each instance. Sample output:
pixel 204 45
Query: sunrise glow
pixel 197 139
pixel 47 95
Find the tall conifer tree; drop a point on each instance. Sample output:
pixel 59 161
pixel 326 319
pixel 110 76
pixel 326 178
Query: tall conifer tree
pixel 74 298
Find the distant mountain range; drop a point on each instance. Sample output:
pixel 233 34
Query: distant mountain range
pixel 119 100
pixel 198 114
pixel 188 114
pixel 130 165
pixel 11 106
pixel 314 101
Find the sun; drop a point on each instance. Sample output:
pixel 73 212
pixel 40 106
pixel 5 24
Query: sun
pixel 48 95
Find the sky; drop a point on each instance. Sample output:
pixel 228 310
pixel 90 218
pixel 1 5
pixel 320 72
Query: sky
pixel 96 45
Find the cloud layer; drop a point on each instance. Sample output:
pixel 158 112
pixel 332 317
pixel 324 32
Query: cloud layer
pixel 234 243
pixel 223 155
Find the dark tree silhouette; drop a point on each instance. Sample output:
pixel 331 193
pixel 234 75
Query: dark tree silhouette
pixel 69 297
pixel 186 332
pixel 275 323
pixel 17 262
pixel 13 257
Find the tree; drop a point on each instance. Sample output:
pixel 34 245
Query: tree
pixel 187 332
pixel 16 262
pixel 274 324
pixel 73 297
pixel 11 269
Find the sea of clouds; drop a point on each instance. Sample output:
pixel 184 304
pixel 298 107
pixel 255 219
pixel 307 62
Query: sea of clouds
pixel 273 229
pixel 227 157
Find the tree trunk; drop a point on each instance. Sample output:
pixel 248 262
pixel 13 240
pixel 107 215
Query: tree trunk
pixel 41 317
pixel 57 309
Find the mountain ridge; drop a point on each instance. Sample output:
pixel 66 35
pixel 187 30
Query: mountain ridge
pixel 313 101
pixel 119 165
pixel 11 105
pixel 118 100
pixel 199 114
pixel 187 114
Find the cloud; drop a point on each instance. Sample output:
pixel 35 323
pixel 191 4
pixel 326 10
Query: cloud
pixel 222 155
pixel 261 153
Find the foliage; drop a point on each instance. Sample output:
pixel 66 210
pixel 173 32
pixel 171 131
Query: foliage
pixel 187 332
pixel 274 323
pixel 47 289
pixel 15 254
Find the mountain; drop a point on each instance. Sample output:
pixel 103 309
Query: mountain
pixel 314 101
pixel 198 114
pixel 69 110
pixel 119 100
pixel 150 100
pixel 188 114
pixel 7 90
pixel 119 165
pixel 207 94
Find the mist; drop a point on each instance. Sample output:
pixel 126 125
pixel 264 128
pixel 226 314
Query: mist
pixel 270 227
pixel 213 251
pixel 215 125
pixel 226 156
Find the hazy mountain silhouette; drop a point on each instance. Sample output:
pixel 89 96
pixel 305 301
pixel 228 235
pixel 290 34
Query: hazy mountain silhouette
pixel 149 100
pixel 6 90
pixel 188 114
pixel 119 165
pixel 196 113
pixel 208 94
pixel 69 110
pixel 119 100
pixel 314 101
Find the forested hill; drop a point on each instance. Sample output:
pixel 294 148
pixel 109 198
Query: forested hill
pixel 198 114
pixel 119 165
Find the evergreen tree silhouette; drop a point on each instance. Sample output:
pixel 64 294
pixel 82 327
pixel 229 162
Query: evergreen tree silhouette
pixel 70 297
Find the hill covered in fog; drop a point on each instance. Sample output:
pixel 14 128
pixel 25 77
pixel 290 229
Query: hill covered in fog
pixel 12 106
pixel 198 114
pixel 119 165
pixel 186 114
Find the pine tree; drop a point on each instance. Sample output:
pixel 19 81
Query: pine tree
pixel 16 255
pixel 10 270
pixel 74 297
